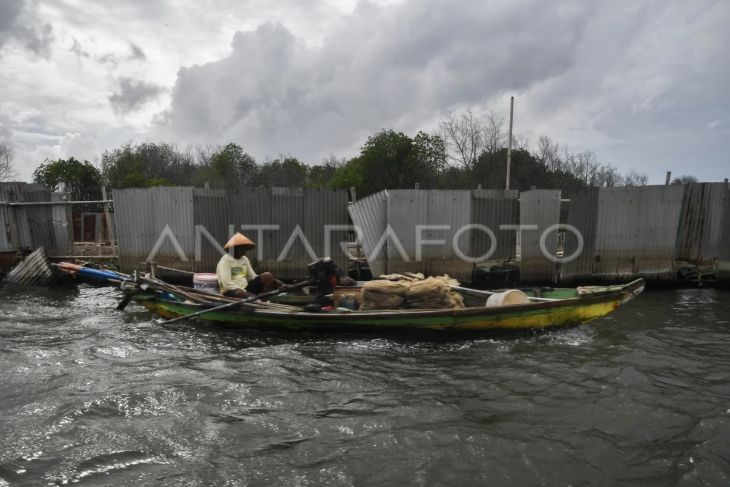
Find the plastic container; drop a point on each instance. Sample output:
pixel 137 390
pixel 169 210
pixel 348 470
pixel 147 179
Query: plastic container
pixel 206 282
pixel 510 297
pixel 348 301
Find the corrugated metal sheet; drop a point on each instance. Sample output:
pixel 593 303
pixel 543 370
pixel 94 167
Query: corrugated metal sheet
pixel 147 216
pixel 582 213
pixel 210 207
pixel 327 208
pixel 627 231
pixel 62 224
pixel 636 231
pixel 440 214
pixel 723 265
pixel 539 207
pixel 34 270
pixel 493 209
pixel 8 225
pixel 289 226
pixel 28 227
pixel 703 211
pixel 370 216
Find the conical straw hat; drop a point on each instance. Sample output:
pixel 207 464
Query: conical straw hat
pixel 239 240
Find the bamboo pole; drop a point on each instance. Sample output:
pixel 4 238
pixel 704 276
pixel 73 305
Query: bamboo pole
pixel 241 302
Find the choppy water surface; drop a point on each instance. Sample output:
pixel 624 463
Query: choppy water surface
pixel 92 396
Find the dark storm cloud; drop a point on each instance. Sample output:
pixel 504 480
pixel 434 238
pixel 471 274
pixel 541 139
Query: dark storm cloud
pixel 395 66
pixel 19 22
pixel 133 94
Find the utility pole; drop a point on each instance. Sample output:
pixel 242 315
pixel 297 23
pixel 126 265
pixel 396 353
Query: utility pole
pixel 509 143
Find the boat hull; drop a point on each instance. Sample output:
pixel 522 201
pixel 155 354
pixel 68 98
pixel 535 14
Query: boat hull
pixel 539 315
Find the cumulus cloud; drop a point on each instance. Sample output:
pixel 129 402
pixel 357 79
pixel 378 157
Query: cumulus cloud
pixel 19 22
pixel 386 66
pixel 133 94
pixel 591 74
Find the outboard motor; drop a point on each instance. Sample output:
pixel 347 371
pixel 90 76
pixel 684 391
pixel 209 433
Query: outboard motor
pixel 323 274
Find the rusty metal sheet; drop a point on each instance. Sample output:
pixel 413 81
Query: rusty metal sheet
pixel 723 264
pixel 703 210
pixel 29 227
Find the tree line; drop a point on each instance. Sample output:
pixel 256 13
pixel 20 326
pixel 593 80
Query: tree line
pixel 466 151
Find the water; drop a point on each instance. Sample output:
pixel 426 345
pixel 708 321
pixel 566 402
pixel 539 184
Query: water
pixel 92 396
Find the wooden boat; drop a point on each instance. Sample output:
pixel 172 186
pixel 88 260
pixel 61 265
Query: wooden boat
pixel 556 307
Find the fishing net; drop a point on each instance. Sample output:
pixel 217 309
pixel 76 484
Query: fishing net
pixel 411 292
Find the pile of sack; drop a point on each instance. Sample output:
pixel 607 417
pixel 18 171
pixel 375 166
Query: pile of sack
pixel 411 291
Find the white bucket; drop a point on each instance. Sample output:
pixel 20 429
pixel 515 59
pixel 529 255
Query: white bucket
pixel 509 297
pixel 206 282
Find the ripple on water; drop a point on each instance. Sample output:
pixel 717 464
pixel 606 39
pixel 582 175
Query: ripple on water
pixel 90 395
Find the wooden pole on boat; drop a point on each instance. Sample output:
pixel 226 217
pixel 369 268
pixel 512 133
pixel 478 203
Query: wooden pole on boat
pixel 476 292
pixel 243 301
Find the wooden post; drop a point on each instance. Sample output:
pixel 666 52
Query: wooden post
pixel 479 186
pixel 509 142
pixel 353 194
pixel 108 217
pixel 669 178
pixel 418 186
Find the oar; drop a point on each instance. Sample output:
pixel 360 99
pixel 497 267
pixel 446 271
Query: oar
pixel 243 301
pixel 476 292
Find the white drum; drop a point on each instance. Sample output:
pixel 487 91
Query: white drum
pixel 206 282
pixel 509 297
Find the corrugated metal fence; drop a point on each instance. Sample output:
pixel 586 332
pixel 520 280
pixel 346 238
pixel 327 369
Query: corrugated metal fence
pixel 292 226
pixel 185 228
pixel 648 231
pixel 624 232
pixel 539 211
pixel 435 231
pixel 29 227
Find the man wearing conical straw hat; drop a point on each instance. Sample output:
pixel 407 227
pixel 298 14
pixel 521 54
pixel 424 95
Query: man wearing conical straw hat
pixel 236 277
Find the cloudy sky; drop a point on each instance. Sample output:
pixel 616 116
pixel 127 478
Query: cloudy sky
pixel 643 84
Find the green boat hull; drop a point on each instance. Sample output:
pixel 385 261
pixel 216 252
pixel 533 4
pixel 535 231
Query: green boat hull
pixel 568 311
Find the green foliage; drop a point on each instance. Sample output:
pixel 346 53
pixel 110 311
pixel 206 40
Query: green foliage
pixel 147 164
pixel 228 167
pixel 388 159
pixel 321 176
pixel 288 171
pixel 348 175
pixel 82 179
pixel 391 159
pixel 490 170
